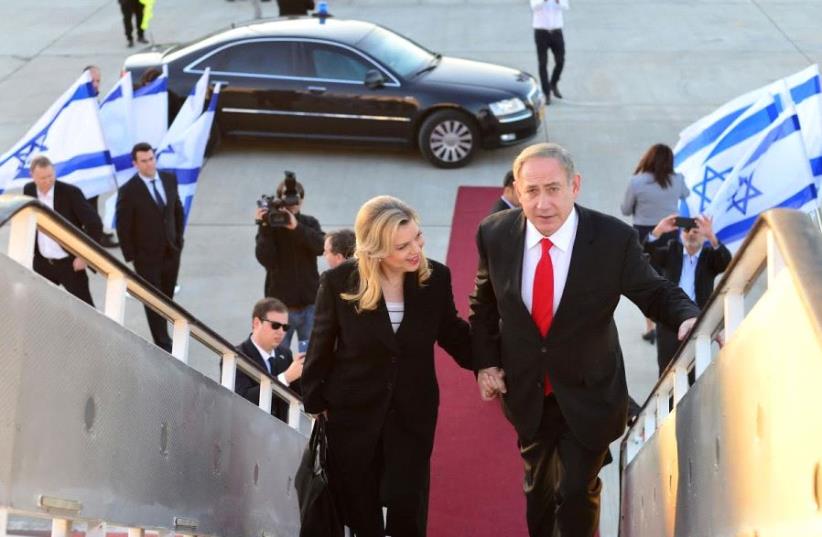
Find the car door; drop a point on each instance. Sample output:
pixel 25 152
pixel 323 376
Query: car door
pixel 262 95
pixel 342 105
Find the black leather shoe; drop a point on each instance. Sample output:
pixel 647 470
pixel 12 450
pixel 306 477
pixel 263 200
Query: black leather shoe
pixel 108 241
pixel 142 40
pixel 130 43
pixel 555 91
pixel 650 336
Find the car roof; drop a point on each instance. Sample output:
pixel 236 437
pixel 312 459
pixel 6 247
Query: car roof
pixel 346 31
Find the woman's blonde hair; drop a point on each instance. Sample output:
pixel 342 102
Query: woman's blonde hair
pixel 376 226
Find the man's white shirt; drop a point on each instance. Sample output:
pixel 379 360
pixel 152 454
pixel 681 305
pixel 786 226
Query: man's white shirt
pixel 266 355
pixel 547 14
pixel 563 246
pixel 48 247
pixel 160 187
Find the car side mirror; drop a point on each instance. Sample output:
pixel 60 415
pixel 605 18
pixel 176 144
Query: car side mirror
pixel 374 79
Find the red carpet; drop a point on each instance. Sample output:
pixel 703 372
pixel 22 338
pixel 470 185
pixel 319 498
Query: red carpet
pixel 476 472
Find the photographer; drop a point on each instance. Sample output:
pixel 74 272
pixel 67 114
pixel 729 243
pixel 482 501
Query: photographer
pixel 692 260
pixel 288 244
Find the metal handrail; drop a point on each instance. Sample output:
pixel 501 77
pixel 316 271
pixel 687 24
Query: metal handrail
pixel 27 215
pixel 781 239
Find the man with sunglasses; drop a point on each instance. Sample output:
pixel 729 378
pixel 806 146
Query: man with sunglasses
pixel 269 323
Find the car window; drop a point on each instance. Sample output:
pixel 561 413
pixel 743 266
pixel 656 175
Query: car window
pixel 272 58
pixel 395 51
pixel 336 63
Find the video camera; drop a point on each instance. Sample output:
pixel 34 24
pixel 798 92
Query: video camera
pixel 273 204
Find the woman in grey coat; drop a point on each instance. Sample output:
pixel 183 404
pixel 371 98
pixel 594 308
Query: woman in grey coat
pixel 652 194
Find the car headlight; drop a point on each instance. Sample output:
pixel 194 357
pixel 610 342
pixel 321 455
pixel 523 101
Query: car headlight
pixel 506 107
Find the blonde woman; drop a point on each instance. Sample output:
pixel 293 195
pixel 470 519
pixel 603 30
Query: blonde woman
pixel 370 369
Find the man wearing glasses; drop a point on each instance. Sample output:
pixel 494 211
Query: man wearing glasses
pixel 269 323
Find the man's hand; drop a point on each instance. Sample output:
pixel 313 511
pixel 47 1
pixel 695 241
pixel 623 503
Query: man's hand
pixel 491 382
pixel 292 220
pixel 78 264
pixel 259 214
pixel 685 327
pixel 666 225
pixel 705 226
pixel 295 370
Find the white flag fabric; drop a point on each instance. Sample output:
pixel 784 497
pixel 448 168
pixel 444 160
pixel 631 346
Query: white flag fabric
pixel 806 94
pixel 117 120
pixel 803 90
pixel 775 172
pixel 191 110
pixel 184 156
pixel 150 109
pixel 69 134
pixel 705 176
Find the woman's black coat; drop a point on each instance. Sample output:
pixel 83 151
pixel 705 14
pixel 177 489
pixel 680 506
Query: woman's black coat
pixel 365 375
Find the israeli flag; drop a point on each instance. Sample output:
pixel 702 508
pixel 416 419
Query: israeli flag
pixel 184 155
pixel 705 176
pixel 806 94
pixel 775 172
pixel 150 109
pixel 191 110
pixel 118 127
pixel 69 134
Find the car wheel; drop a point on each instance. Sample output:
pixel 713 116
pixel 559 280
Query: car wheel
pixel 448 139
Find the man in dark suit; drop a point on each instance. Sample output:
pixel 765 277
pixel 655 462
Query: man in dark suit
pixel 509 199
pixel 544 338
pixel 50 260
pixel 689 263
pixel 150 227
pixel 269 323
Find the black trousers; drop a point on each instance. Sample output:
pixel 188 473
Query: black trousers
pixel 571 501
pixel 553 40
pixel 163 276
pixel 61 272
pixel 363 485
pixel 132 9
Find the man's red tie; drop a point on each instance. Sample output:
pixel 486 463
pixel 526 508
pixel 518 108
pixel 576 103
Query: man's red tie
pixel 542 300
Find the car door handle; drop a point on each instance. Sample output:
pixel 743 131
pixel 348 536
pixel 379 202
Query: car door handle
pixel 317 90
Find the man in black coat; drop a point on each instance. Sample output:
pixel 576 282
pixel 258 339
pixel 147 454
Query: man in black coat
pixel 509 199
pixel 269 323
pixel 50 260
pixel 132 10
pixel 289 254
pixel 544 339
pixel 295 7
pixel 150 227
pixel 690 264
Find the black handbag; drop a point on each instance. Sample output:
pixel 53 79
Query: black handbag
pixel 318 512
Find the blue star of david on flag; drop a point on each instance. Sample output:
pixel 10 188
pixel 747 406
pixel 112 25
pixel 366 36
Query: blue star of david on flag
pixel 747 191
pixel 701 188
pixel 35 146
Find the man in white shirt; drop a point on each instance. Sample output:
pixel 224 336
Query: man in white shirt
pixel 269 323
pixel 547 22
pixel 550 276
pixel 50 260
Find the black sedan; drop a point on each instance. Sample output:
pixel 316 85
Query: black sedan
pixel 348 80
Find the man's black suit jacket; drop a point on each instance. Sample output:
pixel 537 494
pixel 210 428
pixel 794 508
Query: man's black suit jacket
pixel 146 234
pixel 71 204
pixel 581 352
pixel 712 262
pixel 250 389
pixel 500 205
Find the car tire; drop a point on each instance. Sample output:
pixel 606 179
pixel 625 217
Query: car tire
pixel 448 139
